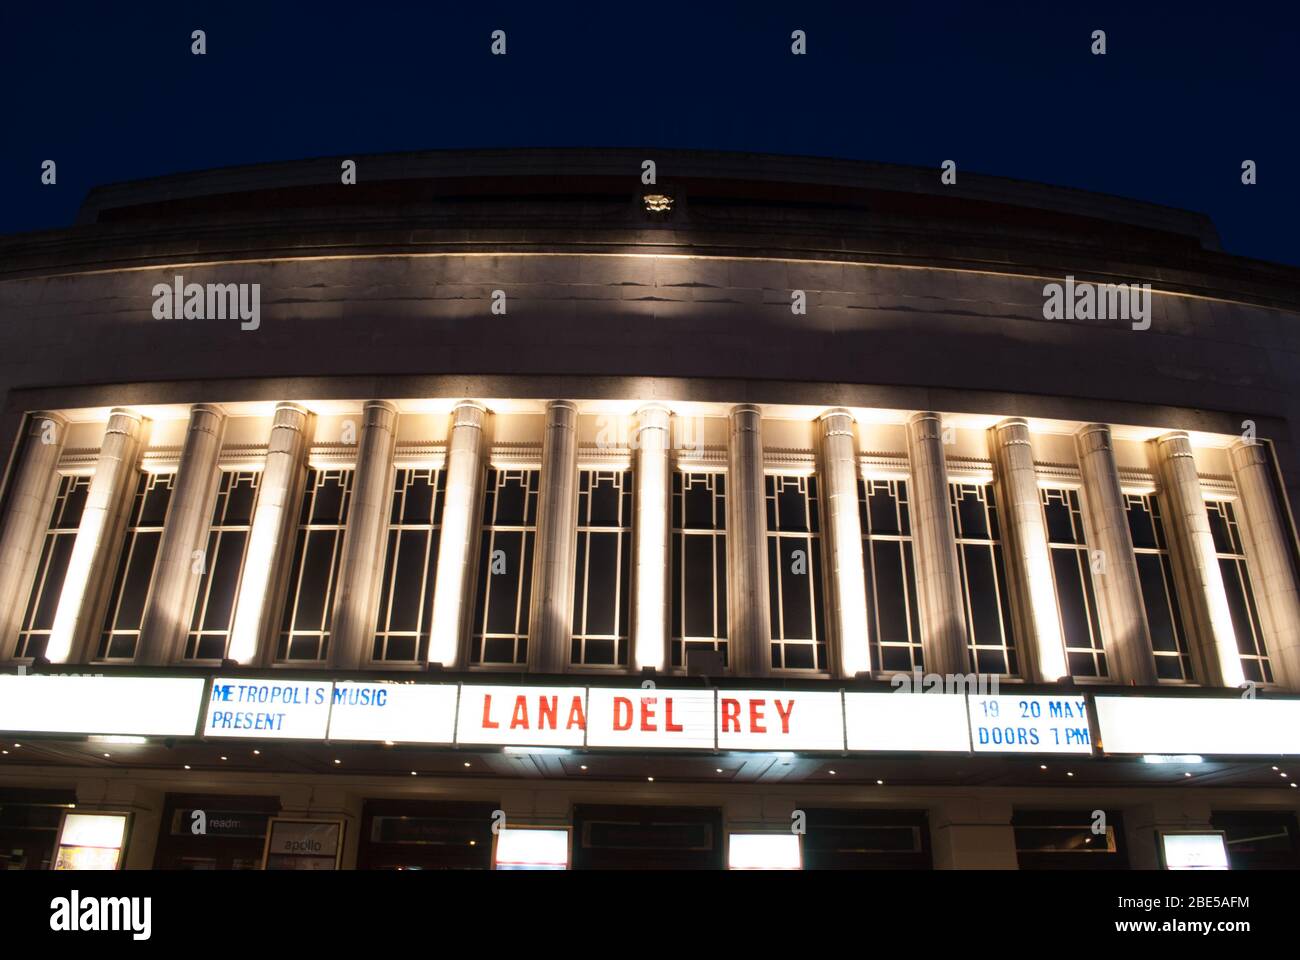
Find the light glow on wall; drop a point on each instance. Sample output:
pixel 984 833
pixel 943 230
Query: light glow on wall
pixel 75 582
pixel 263 541
pixel 1042 602
pixel 650 538
pixel 463 469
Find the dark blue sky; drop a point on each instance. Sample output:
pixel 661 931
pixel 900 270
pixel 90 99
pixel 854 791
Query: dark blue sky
pixel 1184 94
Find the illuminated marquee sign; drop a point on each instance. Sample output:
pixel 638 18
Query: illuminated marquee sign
pixel 577 717
pixel 899 721
pixel 650 719
pixel 268 709
pixel 522 716
pixel 397 712
pixel 101 706
pixel 780 720
pixel 1200 725
pixel 1025 723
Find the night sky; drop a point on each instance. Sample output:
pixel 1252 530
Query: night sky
pixel 1182 97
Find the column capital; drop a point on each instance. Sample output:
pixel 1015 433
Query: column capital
pixel 1014 425
pixel 926 425
pixel 1246 453
pixel 123 420
pixel 1094 436
pixel 381 413
pixel 206 417
pixel 836 422
pixel 468 413
pixel 1173 436
pixel 38 418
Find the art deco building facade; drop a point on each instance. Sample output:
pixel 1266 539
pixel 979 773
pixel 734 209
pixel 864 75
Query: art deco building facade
pixel 503 425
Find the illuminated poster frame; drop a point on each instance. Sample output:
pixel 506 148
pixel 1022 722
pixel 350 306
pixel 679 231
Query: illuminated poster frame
pixel 1164 853
pixel 273 822
pixel 566 829
pixel 60 845
pixel 732 835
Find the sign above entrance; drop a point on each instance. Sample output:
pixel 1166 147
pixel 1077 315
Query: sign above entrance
pixel 647 718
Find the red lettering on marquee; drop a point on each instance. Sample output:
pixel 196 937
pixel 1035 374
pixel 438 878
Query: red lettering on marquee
pixel 730 716
pixel 576 716
pixel 647 714
pixel 669 726
pixel 785 714
pixel 756 717
pixel 520 716
pixel 547 706
pixel 622 713
pixel 488 722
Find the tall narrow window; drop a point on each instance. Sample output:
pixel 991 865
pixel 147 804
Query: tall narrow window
pixel 222 566
pixel 794 574
pixel 56 551
pixel 699 574
pixel 983 578
pixel 1156 573
pixel 1241 595
pixel 602 586
pixel 1072 573
pixel 134 575
pixel 894 622
pixel 410 565
pixel 505 567
pixel 305 633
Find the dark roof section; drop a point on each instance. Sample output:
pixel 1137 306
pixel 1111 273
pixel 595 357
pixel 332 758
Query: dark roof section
pixel 589 200
pixel 736 177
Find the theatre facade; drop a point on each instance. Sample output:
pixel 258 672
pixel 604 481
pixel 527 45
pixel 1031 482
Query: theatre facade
pixel 527 509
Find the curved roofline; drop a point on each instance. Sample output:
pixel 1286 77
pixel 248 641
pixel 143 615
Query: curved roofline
pixel 718 165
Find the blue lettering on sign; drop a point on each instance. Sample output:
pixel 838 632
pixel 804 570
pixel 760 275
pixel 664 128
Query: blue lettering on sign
pixel 353 697
pixel 1062 709
pixel 1009 736
pixel 1039 726
pixel 238 720
pixel 282 694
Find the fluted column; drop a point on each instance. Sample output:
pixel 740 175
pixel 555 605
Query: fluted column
pixel 1119 591
pixel 175 581
pixel 361 561
pixel 1192 545
pixel 270 539
pixel 464 470
pixel 550 615
pixel 650 472
pixel 1268 555
pixel 842 531
pixel 748 615
pixel 1028 558
pixel 99 536
pixel 941 609
pixel 31 499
